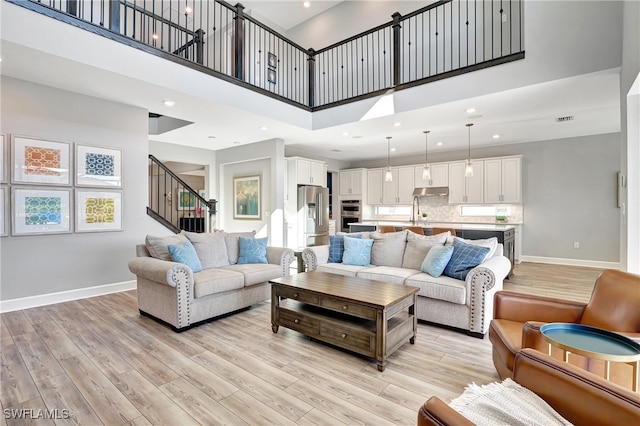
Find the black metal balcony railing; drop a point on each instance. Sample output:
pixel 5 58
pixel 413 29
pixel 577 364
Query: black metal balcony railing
pixel 445 38
pixel 175 204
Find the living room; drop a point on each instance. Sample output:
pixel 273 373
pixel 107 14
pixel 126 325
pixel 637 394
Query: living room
pixel 81 110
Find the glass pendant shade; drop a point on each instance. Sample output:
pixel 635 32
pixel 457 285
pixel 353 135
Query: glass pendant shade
pixel 468 167
pixel 388 176
pixel 426 172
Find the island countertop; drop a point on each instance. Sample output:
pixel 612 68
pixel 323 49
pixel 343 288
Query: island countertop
pixel 454 225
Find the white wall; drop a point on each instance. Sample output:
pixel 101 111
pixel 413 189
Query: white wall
pixel 37 265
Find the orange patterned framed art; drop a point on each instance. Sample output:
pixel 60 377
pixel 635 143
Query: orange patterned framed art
pixel 40 161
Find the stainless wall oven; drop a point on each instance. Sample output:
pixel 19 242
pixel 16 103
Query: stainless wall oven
pixel 350 212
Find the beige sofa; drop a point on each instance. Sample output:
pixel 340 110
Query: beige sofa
pixel 173 293
pixel 396 258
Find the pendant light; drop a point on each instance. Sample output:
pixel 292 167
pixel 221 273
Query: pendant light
pixel 468 168
pixel 426 172
pixel 388 177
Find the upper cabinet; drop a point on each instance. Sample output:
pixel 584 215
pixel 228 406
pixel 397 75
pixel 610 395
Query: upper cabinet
pixel 503 180
pixel 375 178
pixel 439 176
pixel 352 181
pixel 400 189
pixel 306 172
pixel 466 190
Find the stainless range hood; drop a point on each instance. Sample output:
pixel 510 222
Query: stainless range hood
pixel 437 191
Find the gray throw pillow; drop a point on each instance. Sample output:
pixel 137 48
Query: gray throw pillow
pixel 416 251
pixel 388 248
pixel 159 246
pixel 210 248
pixel 231 239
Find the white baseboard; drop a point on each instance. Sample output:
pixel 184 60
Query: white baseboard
pixel 64 296
pixel 571 262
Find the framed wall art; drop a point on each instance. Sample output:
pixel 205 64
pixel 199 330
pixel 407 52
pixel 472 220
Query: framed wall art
pixel 4 216
pixel 98 210
pixel 97 166
pixel 40 161
pixel 37 211
pixel 186 200
pixel 271 76
pixel 272 60
pixel 246 198
pixel 3 158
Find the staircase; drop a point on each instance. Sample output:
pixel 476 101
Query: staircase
pixel 175 204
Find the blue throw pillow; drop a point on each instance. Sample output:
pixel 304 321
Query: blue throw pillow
pixel 253 250
pixel 185 253
pixel 436 260
pixel 465 257
pixel 357 251
pixel 336 247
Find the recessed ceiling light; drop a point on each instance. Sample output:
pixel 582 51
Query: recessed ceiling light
pixel 168 103
pixel 496 136
pixel 345 133
pixel 211 137
pixel 393 150
pixel 471 110
pixel 236 143
pixel 264 128
pixel 397 124
pixel 440 143
pixel 307 3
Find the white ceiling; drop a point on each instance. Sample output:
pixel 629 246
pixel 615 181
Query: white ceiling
pixel 521 115
pixel 287 14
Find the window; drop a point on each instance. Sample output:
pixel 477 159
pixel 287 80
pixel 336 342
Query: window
pixel 393 210
pixel 485 211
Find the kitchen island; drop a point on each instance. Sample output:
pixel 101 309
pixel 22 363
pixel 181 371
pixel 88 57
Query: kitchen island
pixel 505 233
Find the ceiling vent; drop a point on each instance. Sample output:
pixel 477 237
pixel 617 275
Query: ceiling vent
pixel 563 119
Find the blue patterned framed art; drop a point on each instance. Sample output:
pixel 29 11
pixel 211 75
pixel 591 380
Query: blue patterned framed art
pixel 39 211
pixel 97 166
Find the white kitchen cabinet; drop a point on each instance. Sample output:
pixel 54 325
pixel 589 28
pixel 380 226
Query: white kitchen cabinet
pixel 375 178
pixel 351 181
pixel 400 189
pixel 502 180
pixel 305 171
pixel 439 176
pixel 466 190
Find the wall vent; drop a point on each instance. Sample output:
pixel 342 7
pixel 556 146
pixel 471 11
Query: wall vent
pixel 563 119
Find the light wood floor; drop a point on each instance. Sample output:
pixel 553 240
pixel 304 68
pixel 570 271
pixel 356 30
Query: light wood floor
pixel 102 361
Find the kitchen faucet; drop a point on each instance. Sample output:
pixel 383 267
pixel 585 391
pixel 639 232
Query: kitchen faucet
pixel 416 200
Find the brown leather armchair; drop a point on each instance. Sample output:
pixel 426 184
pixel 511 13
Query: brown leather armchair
pixel 614 306
pixel 579 397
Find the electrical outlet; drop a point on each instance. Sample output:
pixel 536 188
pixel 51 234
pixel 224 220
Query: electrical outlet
pixel 504 17
pixel 576 244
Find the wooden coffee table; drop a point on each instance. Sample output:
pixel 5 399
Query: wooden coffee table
pixel 372 318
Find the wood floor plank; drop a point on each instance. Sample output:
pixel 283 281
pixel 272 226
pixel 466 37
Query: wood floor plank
pixel 317 417
pixel 177 341
pixel 33 412
pixel 204 409
pixel 101 354
pixel 60 345
pixel 17 323
pixel 16 384
pixel 5 336
pixel 106 400
pixel 64 318
pixel 258 388
pixel 60 393
pixel 253 411
pixel 36 355
pixel 36 315
pixel 158 408
pixel 140 421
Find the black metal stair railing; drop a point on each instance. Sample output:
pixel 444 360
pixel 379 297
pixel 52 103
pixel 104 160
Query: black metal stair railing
pixel 443 39
pixel 175 204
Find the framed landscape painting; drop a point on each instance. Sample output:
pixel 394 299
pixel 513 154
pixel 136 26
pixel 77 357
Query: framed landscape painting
pixel 39 211
pixel 96 166
pixel 98 210
pixel 246 198
pixel 40 161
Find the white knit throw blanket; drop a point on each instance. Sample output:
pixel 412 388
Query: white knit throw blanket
pixel 505 403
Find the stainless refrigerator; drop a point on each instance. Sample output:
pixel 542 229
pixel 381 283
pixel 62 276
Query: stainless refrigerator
pixel 313 211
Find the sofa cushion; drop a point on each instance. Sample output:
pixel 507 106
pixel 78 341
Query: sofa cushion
pixel 159 246
pixel 341 269
pixel 253 250
pixel 211 281
pixel 211 248
pixel 440 238
pixel 256 273
pixel 465 257
pixel 336 247
pixel 388 274
pixel 491 243
pixel 356 251
pixel 416 251
pixel 436 260
pixel 186 254
pixel 441 288
pixel 388 248
pixel 232 240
